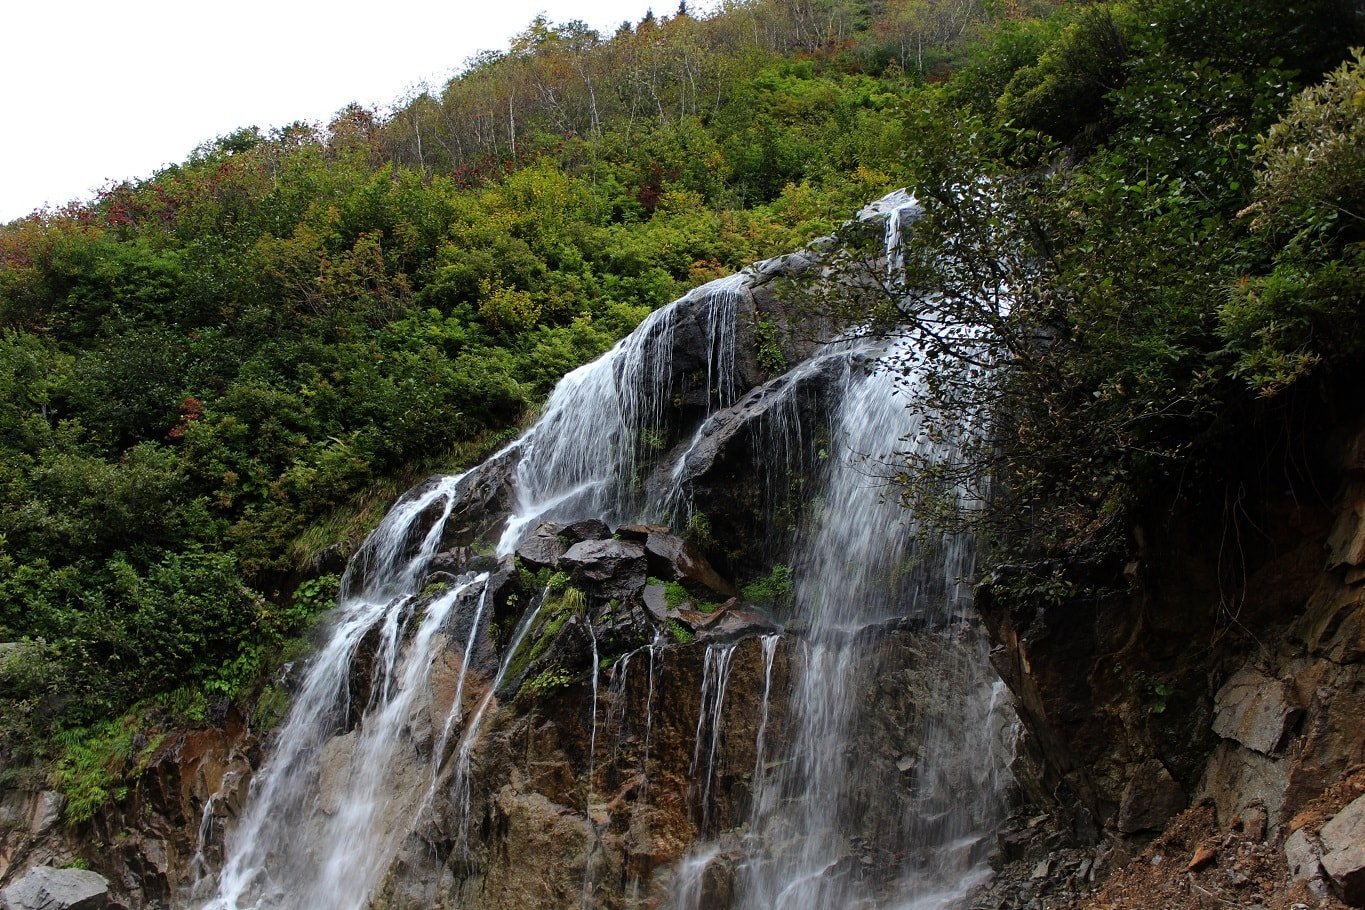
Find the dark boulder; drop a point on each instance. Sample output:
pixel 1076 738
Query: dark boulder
pixel 674 559
pixel 542 548
pixel 587 529
pixel 771 434
pixel 1151 799
pixel 608 568
pixel 733 622
pixel 483 500
pixel 639 533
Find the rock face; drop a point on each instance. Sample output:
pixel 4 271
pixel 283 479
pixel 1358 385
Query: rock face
pixel 1246 692
pixel 750 467
pixel 143 847
pixel 1151 798
pixel 627 811
pixel 1303 855
pixel 335 770
pixel 1255 710
pixel 613 568
pixel 1343 852
pixel 674 559
pixel 46 888
pixel 542 549
pixel 587 529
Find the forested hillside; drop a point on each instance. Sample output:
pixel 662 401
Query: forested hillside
pixel 214 380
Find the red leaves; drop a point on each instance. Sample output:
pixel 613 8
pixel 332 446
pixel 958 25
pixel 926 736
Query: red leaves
pixel 191 409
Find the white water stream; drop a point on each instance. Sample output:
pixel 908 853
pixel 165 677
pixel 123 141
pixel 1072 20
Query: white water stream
pixel 307 843
pixel 341 789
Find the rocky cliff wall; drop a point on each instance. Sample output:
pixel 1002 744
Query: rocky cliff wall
pixel 1211 704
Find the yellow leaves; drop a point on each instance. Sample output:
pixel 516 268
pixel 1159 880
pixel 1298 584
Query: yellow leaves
pixel 677 201
pixel 507 310
pixel 304 271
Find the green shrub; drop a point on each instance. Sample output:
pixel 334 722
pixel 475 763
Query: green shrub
pixel 679 633
pixel 546 681
pixel 775 590
pixel 1064 92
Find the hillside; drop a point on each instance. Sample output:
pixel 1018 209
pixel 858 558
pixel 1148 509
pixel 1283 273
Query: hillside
pixel 1141 227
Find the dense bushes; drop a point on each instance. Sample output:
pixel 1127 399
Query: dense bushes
pixel 1129 237
pixel 211 377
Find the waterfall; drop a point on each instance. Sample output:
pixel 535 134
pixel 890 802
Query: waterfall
pixel 456 712
pixel 859 563
pixel 710 724
pixel 586 900
pixel 323 816
pixel 360 757
pixel 770 643
pixel 584 455
pixel 465 751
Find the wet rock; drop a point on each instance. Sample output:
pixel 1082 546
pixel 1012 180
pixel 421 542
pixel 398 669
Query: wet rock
pixel 639 533
pixel 502 579
pixel 46 888
pixel 716 468
pixel 674 559
pixel 611 568
pixel 1151 798
pixel 451 561
pixel 747 416
pixel 1255 710
pixel 621 627
pixel 335 771
pixel 1343 851
pixel 587 529
pixel 542 548
pixel 656 601
pixel 441 578
pixel 733 622
pixel 556 840
pixel 482 501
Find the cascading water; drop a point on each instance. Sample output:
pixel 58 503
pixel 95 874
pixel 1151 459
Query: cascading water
pixel 199 865
pixel 579 459
pixel 710 724
pixel 858 564
pixel 464 753
pixel 341 788
pixel 456 712
pixel 770 643
pixel 586 902
pixel 859 561
pixel 322 818
pixel 582 457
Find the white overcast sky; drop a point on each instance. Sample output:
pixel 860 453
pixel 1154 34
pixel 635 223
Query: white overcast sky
pixel 98 90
